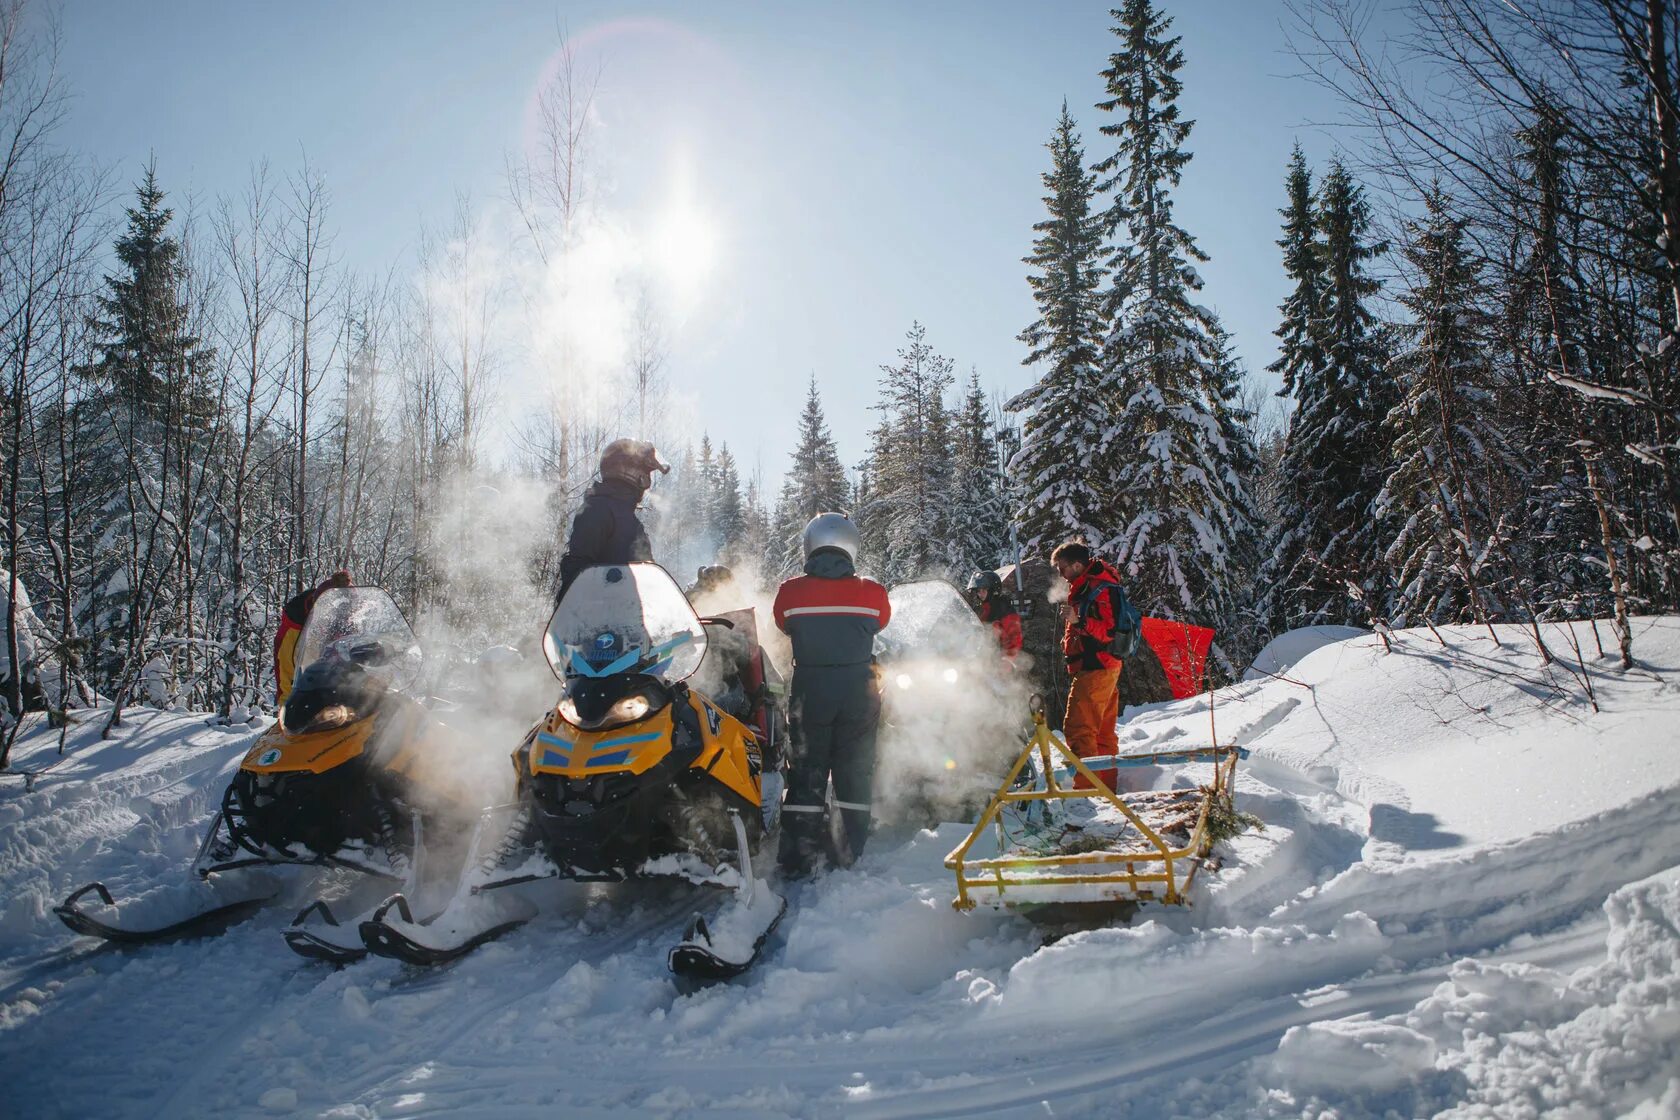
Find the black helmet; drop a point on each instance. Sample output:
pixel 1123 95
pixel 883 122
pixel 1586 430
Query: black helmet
pixel 985 581
pixel 632 461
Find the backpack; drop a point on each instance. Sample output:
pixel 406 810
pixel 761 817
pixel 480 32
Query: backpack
pixel 1123 641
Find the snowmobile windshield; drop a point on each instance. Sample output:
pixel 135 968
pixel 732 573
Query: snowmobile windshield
pixel 625 618
pixel 361 625
pixel 930 618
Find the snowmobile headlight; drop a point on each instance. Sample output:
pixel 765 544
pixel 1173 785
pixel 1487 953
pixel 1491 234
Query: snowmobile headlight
pixel 626 709
pixel 330 717
pixel 904 680
pixel 949 676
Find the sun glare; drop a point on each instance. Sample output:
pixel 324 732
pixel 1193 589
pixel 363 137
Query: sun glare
pixel 684 242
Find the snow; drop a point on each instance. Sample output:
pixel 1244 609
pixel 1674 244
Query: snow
pixel 1468 906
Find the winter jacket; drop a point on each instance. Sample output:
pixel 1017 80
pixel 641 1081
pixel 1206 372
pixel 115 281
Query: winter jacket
pixel 1090 623
pixel 831 613
pixel 1006 623
pixel 605 531
pixel 292 617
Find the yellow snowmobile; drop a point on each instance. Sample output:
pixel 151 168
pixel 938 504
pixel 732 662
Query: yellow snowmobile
pixel 344 778
pixel 631 775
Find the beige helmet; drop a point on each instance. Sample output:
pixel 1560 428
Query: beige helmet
pixel 632 461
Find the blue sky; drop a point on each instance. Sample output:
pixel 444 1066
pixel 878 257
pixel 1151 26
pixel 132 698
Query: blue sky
pixel 851 167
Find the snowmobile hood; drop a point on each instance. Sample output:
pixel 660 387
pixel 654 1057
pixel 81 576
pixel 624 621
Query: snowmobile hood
pixel 727 750
pixel 830 563
pixel 277 751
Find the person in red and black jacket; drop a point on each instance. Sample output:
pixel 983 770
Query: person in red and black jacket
pixel 994 607
pixel 1093 703
pixel 292 618
pixel 832 615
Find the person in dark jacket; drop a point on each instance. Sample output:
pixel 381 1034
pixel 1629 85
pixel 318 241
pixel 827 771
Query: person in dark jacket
pixel 606 530
pixel 994 607
pixel 1093 703
pixel 292 619
pixel 832 615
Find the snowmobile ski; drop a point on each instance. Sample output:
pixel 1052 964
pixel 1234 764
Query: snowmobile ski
pixel 696 963
pixel 332 942
pixel 408 942
pixel 731 943
pixel 204 921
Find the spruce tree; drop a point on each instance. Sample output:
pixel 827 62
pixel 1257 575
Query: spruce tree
pixel 147 353
pixel 979 512
pixel 705 491
pixel 1327 562
pixel 1240 467
pixel 1560 544
pixel 1300 336
pixel 1449 450
pixel 910 463
pixel 728 517
pixel 1067 434
pixel 815 483
pixel 752 550
pixel 1172 524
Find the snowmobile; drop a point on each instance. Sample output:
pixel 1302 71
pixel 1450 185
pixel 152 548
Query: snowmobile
pixel 344 778
pixel 632 775
pixel 948 708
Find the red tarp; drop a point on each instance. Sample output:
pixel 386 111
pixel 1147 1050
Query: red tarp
pixel 1183 651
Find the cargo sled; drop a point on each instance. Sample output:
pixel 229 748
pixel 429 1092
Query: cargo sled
pixel 1054 844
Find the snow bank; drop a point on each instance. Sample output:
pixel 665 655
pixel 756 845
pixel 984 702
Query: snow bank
pixel 1499 1039
pixel 1283 651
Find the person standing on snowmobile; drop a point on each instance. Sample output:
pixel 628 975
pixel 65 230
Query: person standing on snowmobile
pixel 1093 703
pixel 292 618
pixel 606 530
pixel 832 615
pixel 994 607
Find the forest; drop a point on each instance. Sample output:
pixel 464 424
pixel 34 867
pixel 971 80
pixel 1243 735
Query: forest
pixel 202 412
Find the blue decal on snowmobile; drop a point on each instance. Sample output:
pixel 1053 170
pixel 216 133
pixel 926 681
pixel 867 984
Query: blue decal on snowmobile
pixel 555 758
pixel 616 759
pixel 627 740
pixel 269 757
pixel 659 655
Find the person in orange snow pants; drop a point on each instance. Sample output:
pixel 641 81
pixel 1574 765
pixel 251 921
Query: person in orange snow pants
pixel 1093 703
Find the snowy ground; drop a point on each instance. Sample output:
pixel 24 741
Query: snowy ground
pixel 1472 908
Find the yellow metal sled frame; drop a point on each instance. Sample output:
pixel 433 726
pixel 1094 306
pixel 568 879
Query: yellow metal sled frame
pixel 1161 875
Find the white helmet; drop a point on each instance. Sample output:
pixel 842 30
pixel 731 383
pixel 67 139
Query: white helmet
pixel 832 530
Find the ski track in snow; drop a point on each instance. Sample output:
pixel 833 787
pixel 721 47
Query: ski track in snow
pixel 1437 930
